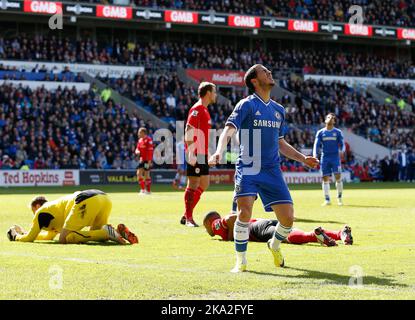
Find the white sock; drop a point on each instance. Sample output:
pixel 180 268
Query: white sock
pixel 326 190
pixel 339 187
pixel 241 237
pixel 280 234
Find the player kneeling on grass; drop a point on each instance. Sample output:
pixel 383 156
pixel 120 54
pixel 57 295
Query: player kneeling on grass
pixel 261 230
pixel 68 215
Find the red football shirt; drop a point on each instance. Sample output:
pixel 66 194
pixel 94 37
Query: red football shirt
pixel 199 118
pixel 145 146
pixel 220 228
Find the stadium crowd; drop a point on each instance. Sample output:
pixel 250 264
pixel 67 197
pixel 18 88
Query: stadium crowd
pixel 65 129
pixel 385 124
pixel 170 55
pixel 405 94
pixel 70 129
pixel 167 97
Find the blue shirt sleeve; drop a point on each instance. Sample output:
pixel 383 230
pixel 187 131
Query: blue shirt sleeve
pixel 239 114
pixel 341 142
pixel 317 143
pixel 284 129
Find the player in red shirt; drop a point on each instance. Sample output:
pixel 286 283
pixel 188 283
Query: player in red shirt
pixel 197 144
pixel 261 230
pixel 144 151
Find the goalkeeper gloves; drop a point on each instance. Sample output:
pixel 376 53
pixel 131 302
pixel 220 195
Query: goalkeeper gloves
pixel 13 232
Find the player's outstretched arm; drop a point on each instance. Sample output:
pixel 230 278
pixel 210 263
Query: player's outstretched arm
pixel 316 145
pixel 191 146
pixel 45 236
pixel 31 235
pixel 287 150
pixel 224 138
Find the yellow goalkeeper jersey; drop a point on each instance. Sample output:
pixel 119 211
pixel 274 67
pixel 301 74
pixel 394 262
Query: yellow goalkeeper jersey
pixel 50 217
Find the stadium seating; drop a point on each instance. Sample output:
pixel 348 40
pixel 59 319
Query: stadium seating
pixel 382 123
pixel 169 98
pixel 169 55
pixel 65 129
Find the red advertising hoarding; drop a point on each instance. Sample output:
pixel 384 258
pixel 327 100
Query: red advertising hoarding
pixel 303 25
pixel 244 21
pixel 358 30
pixel 221 176
pixel 186 17
pixel 219 77
pixel 407 34
pixel 45 7
pixel 114 12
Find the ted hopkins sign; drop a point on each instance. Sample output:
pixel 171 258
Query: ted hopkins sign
pixel 13 178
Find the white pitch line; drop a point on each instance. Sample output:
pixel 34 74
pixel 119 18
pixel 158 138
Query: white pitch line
pixel 107 262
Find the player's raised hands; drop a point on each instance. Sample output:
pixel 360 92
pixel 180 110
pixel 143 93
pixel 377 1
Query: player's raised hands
pixel 191 159
pixel 214 159
pixel 311 162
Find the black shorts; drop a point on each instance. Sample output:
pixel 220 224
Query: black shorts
pixel 144 165
pixel 262 230
pixel 200 169
pixel 86 194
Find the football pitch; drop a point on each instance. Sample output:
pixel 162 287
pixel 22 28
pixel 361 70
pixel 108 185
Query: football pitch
pixel 176 262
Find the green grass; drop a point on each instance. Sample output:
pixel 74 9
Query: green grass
pixel 175 262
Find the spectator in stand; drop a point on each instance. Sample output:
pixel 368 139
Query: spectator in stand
pixel 386 169
pixel 411 166
pixel 395 167
pixel 6 163
pixel 403 164
pixel 374 171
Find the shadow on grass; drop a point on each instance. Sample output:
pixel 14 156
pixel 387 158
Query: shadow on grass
pixel 335 278
pixel 91 243
pixel 363 206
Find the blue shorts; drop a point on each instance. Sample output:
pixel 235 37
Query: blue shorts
pixel 182 167
pixel 268 183
pixel 330 166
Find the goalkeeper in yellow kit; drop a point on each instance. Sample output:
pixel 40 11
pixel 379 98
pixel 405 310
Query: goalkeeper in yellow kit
pixel 68 215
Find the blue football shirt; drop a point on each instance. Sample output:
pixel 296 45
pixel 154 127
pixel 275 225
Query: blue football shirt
pixel 257 120
pixel 331 142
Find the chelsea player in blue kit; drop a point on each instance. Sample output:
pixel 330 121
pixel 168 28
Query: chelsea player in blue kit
pixel 259 122
pixel 331 139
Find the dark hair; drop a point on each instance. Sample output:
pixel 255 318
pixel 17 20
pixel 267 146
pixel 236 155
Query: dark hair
pixel 210 215
pixel 38 200
pixel 332 114
pixel 249 75
pixel 204 88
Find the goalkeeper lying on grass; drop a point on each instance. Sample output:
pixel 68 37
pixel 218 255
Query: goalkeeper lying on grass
pixel 68 215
